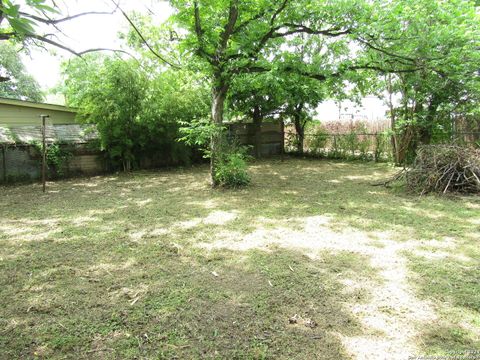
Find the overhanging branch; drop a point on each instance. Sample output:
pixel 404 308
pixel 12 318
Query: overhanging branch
pixel 144 40
pixel 49 21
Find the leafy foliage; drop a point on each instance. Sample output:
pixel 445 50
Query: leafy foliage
pixel 111 98
pixel 58 156
pixel 231 168
pixel 20 24
pixel 17 84
pixel 138 117
pixel 440 40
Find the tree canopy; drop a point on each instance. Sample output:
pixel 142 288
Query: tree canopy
pixel 280 59
pixel 17 84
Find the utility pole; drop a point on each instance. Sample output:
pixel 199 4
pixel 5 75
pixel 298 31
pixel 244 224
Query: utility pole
pixel 44 151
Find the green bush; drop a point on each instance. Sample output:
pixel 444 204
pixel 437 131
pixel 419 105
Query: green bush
pixel 232 170
pixel 317 141
pixel 348 144
pixel 58 158
pixel 383 147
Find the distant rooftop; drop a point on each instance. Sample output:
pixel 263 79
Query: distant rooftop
pixel 36 105
pixel 73 133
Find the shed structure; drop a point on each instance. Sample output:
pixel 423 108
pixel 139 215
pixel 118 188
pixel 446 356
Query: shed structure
pixel 20 129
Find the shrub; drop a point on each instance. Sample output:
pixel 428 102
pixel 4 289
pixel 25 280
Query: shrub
pixel 232 170
pixel 383 146
pixel 317 141
pixel 348 144
pixel 231 159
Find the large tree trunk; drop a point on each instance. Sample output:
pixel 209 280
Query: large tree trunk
pixel 299 128
pixel 219 94
pixel 257 124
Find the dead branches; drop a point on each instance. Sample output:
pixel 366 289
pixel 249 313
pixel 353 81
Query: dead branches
pixel 443 169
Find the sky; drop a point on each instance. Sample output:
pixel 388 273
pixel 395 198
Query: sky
pixel 87 32
pixel 101 31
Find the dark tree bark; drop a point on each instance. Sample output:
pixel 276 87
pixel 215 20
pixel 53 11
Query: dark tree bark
pixel 257 125
pixel 299 127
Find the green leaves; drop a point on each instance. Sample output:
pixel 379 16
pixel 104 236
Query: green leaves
pixel 137 114
pixel 20 85
pixel 20 22
pixel 21 26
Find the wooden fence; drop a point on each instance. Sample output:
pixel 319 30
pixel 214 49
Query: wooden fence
pixel 271 137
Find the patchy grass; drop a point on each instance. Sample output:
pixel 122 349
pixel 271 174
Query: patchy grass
pixel 309 262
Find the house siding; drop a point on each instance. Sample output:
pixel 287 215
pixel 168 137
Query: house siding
pixel 13 115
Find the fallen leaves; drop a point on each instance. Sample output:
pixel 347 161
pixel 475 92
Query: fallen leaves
pixel 298 320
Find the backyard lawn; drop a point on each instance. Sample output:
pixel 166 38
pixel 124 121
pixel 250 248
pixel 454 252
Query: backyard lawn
pixel 310 262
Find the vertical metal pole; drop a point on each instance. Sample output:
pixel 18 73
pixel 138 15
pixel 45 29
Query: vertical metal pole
pixel 335 152
pixel 4 163
pixel 44 152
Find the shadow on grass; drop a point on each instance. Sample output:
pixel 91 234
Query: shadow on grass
pixel 454 282
pixel 174 303
pixel 110 267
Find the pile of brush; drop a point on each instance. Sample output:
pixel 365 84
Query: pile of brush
pixel 445 168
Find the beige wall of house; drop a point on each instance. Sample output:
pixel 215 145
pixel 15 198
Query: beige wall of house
pixel 19 113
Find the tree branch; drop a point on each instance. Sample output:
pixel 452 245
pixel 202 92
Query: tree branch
pixel 302 29
pixel 150 48
pixel 278 12
pixel 46 40
pixel 198 22
pixel 386 52
pixel 57 21
pixel 229 27
pixel 105 49
pixel 199 32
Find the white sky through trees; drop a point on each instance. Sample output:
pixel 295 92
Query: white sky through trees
pixel 101 31
pixel 87 32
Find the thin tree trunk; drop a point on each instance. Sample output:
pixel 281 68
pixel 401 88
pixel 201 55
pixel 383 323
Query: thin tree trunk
pixel 219 94
pixel 4 163
pixel 257 124
pixel 299 127
pixel 393 122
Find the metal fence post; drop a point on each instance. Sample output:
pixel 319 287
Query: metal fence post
pixel 4 163
pixel 44 152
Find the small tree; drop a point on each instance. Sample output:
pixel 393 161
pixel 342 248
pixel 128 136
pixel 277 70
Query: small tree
pixel 111 98
pixel 440 40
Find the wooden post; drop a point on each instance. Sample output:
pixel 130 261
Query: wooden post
pixel 44 152
pixel 4 163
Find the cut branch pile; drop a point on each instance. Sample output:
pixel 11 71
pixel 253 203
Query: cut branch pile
pixel 443 169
